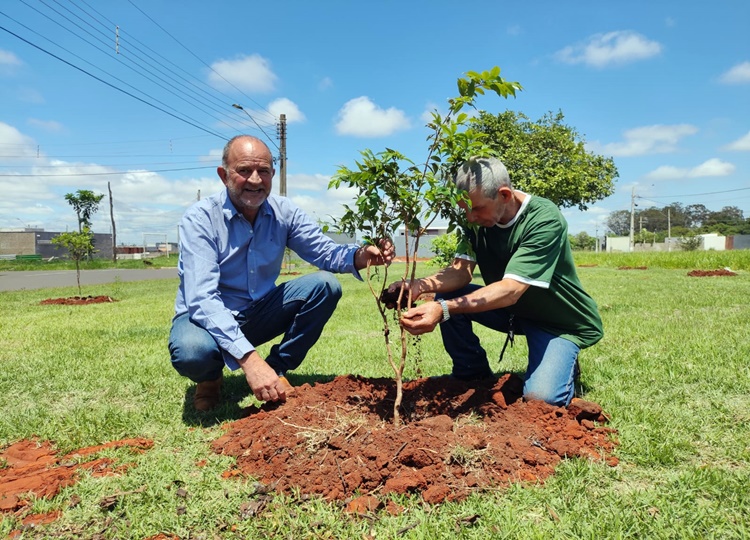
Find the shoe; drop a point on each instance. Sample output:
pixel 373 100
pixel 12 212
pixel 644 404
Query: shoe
pixel 288 388
pixel 207 394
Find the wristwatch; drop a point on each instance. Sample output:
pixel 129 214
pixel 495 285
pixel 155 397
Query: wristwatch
pixel 446 314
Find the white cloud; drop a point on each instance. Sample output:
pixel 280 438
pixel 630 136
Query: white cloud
pixel 656 139
pixel 305 191
pixel 325 83
pixel 708 169
pixel 247 73
pixel 308 182
pixel 8 59
pixel 739 74
pixel 286 106
pixel 46 125
pixel 612 48
pixel 740 145
pixel 13 143
pixel 360 117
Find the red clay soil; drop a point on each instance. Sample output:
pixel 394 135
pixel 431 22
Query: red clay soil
pixel 708 273
pixel 31 468
pixel 78 300
pixel 337 439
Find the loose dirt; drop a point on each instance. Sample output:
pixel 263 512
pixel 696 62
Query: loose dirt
pixel 32 469
pixel 337 439
pixel 708 273
pixel 78 300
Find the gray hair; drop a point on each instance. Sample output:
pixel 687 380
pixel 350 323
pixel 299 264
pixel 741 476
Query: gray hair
pixel 230 142
pixel 485 174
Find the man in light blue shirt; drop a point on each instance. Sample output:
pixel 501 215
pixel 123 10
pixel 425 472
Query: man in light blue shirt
pixel 231 249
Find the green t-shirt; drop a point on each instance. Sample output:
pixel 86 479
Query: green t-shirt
pixel 534 249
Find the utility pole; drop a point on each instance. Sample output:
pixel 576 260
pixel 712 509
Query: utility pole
pixel 114 230
pixel 632 218
pixel 282 155
pixel 669 229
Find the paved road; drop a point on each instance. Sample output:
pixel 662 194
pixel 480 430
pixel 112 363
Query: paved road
pixel 41 279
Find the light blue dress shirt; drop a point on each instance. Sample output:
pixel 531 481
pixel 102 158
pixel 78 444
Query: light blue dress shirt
pixel 225 262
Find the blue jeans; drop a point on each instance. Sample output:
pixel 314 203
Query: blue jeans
pixel 552 359
pixel 299 309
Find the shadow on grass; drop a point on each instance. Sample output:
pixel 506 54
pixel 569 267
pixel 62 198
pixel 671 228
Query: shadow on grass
pixel 235 390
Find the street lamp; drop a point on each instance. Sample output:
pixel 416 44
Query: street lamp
pixel 282 150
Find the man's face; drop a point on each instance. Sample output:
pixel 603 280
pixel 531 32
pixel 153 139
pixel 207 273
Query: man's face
pixel 248 175
pixel 484 212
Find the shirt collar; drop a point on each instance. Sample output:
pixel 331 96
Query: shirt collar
pixel 521 209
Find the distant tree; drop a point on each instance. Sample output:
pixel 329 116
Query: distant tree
pixel 79 245
pixel 676 215
pixel 582 241
pixel 690 242
pixel 444 247
pixel 85 203
pixel 548 158
pixel 696 214
pixel 618 222
pixel 729 216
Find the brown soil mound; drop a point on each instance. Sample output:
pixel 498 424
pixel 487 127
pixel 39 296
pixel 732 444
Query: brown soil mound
pixel 78 300
pixel 632 268
pixel 705 273
pixel 337 439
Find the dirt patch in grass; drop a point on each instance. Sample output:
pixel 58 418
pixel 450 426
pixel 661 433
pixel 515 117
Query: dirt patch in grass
pixel 78 300
pixel 337 440
pixel 32 469
pixel 632 268
pixel 708 273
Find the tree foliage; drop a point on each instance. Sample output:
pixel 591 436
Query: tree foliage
pixel 394 191
pixel 85 203
pixel 79 245
pixel 678 220
pixel 548 158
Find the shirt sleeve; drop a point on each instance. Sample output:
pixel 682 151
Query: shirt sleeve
pixel 199 258
pixel 535 259
pixel 308 241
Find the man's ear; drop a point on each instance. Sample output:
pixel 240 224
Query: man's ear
pixel 222 172
pixel 505 192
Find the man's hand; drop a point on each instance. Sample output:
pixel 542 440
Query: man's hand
pixel 382 254
pixel 423 318
pixel 262 379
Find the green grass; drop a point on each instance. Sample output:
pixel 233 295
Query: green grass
pixel 94 264
pixel 672 372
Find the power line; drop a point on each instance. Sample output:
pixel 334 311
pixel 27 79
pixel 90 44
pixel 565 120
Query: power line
pixel 196 56
pixel 694 194
pixel 108 83
pixel 175 89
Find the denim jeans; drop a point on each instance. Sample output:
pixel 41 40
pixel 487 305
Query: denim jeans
pixel 552 359
pixel 299 309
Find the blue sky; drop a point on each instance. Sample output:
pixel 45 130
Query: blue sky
pixel 139 95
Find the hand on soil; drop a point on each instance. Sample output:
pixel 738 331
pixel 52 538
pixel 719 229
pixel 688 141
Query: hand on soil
pixel 262 379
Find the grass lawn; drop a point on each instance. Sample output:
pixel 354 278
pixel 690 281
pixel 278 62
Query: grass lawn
pixel 672 372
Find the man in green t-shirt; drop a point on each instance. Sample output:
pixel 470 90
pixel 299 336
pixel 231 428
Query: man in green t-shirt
pixel 531 286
